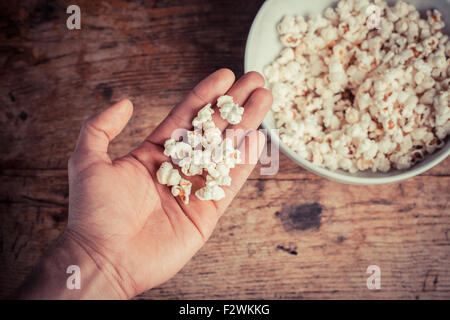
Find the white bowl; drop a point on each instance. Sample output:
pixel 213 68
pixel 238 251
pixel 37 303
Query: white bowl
pixel 263 47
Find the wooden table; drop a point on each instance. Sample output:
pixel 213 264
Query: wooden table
pixel 291 235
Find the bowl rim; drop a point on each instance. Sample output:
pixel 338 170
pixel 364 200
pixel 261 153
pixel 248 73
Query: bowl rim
pixel 434 159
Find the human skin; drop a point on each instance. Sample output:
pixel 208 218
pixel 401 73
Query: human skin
pixel 125 231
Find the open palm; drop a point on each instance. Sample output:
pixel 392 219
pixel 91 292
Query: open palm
pixel 121 215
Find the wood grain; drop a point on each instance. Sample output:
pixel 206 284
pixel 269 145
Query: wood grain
pixel 289 235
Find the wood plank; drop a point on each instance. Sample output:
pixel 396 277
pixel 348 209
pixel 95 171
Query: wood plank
pixel 317 241
pixel 312 240
pixel 152 53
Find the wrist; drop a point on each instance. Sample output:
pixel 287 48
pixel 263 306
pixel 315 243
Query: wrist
pixel 97 278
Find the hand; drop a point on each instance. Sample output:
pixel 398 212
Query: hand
pixel 126 224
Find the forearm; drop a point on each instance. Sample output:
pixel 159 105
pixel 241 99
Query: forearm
pixel 49 280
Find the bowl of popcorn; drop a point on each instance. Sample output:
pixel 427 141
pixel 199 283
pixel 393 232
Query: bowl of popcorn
pixel 361 88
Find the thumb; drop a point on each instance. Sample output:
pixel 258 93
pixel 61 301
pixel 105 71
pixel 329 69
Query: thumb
pixel 98 131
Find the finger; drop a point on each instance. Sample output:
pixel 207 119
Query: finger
pixel 98 131
pixel 240 91
pixel 251 148
pixel 180 117
pixel 256 109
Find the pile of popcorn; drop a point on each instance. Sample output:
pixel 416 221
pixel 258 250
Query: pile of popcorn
pixel 353 97
pixel 203 150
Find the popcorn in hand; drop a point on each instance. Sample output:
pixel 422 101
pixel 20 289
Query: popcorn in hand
pixel 211 190
pixel 194 138
pixel 229 110
pixel 207 151
pixel 177 150
pixel 205 114
pixel 167 175
pixel 211 136
pixel 183 190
